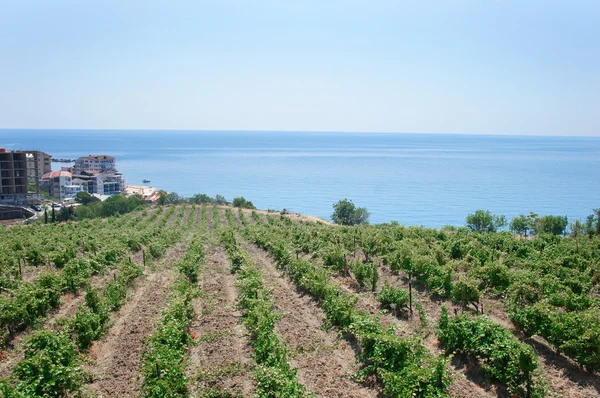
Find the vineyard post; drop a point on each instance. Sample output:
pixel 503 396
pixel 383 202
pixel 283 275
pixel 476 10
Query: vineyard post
pixel 410 297
pixel 20 271
pixel 346 271
pixel 144 257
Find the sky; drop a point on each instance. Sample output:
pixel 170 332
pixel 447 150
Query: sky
pixel 518 67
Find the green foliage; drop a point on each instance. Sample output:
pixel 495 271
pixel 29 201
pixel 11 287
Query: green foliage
pixel 275 377
pixel 114 205
pixel 363 272
pixel 504 358
pixel 521 225
pixel 220 200
pixel 189 266
pixel 484 221
pixel 164 360
pixel 50 367
pixel 495 276
pixel 115 291
pixel 242 202
pixel 346 213
pixel 61 258
pixel 278 382
pixel 575 333
pixel 466 292
pixel 423 317
pixel 30 302
pixel 339 308
pixel 85 198
pixel 395 298
pixel 201 198
pixel 88 326
pixel 169 198
pixel 157 249
pixel 404 367
pixel 164 365
pixel 555 225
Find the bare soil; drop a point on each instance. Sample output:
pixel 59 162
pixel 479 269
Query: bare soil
pixel 222 358
pixel 562 375
pixel 291 216
pixel 118 355
pixel 116 358
pixel 467 383
pixel 70 302
pixel 325 362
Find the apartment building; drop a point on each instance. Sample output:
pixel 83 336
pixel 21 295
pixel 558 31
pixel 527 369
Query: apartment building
pixel 94 162
pixel 59 184
pixel 108 182
pixel 20 174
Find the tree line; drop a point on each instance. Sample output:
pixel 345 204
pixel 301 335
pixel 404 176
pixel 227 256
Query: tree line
pixel 345 212
pixel 533 224
pixel 173 198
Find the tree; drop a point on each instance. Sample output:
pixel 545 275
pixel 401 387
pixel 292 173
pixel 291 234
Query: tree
pixel 66 213
pixel 85 198
pixel 346 213
pixel 555 225
pixel 484 221
pixel 242 202
pixel 593 223
pixel 521 225
pixel 171 198
pixel 220 200
pixel 201 198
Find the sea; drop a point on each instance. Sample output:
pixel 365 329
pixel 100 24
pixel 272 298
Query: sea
pixel 431 180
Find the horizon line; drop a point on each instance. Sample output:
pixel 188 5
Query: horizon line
pixel 312 131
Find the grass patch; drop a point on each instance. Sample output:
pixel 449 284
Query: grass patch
pixel 217 335
pixel 212 374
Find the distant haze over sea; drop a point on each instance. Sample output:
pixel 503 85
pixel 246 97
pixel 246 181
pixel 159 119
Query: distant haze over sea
pixel 416 179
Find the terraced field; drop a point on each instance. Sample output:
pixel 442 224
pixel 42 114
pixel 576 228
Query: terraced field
pixel 210 301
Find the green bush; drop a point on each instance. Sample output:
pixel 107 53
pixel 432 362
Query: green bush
pixel 392 297
pixel 504 358
pixel 50 367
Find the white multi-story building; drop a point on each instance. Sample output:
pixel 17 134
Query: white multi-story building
pixel 59 184
pixel 104 183
pixel 94 163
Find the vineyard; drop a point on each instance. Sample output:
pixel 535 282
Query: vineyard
pixel 213 301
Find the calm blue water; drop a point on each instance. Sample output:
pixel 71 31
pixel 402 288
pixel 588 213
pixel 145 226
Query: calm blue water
pixel 429 180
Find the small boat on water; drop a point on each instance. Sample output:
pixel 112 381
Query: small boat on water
pixel 146 181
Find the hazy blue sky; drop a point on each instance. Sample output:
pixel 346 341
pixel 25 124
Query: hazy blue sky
pixel 447 66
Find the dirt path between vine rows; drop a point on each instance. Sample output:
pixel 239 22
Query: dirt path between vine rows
pixel 325 362
pixel 117 357
pixel 563 377
pixel 223 357
pixel 467 378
